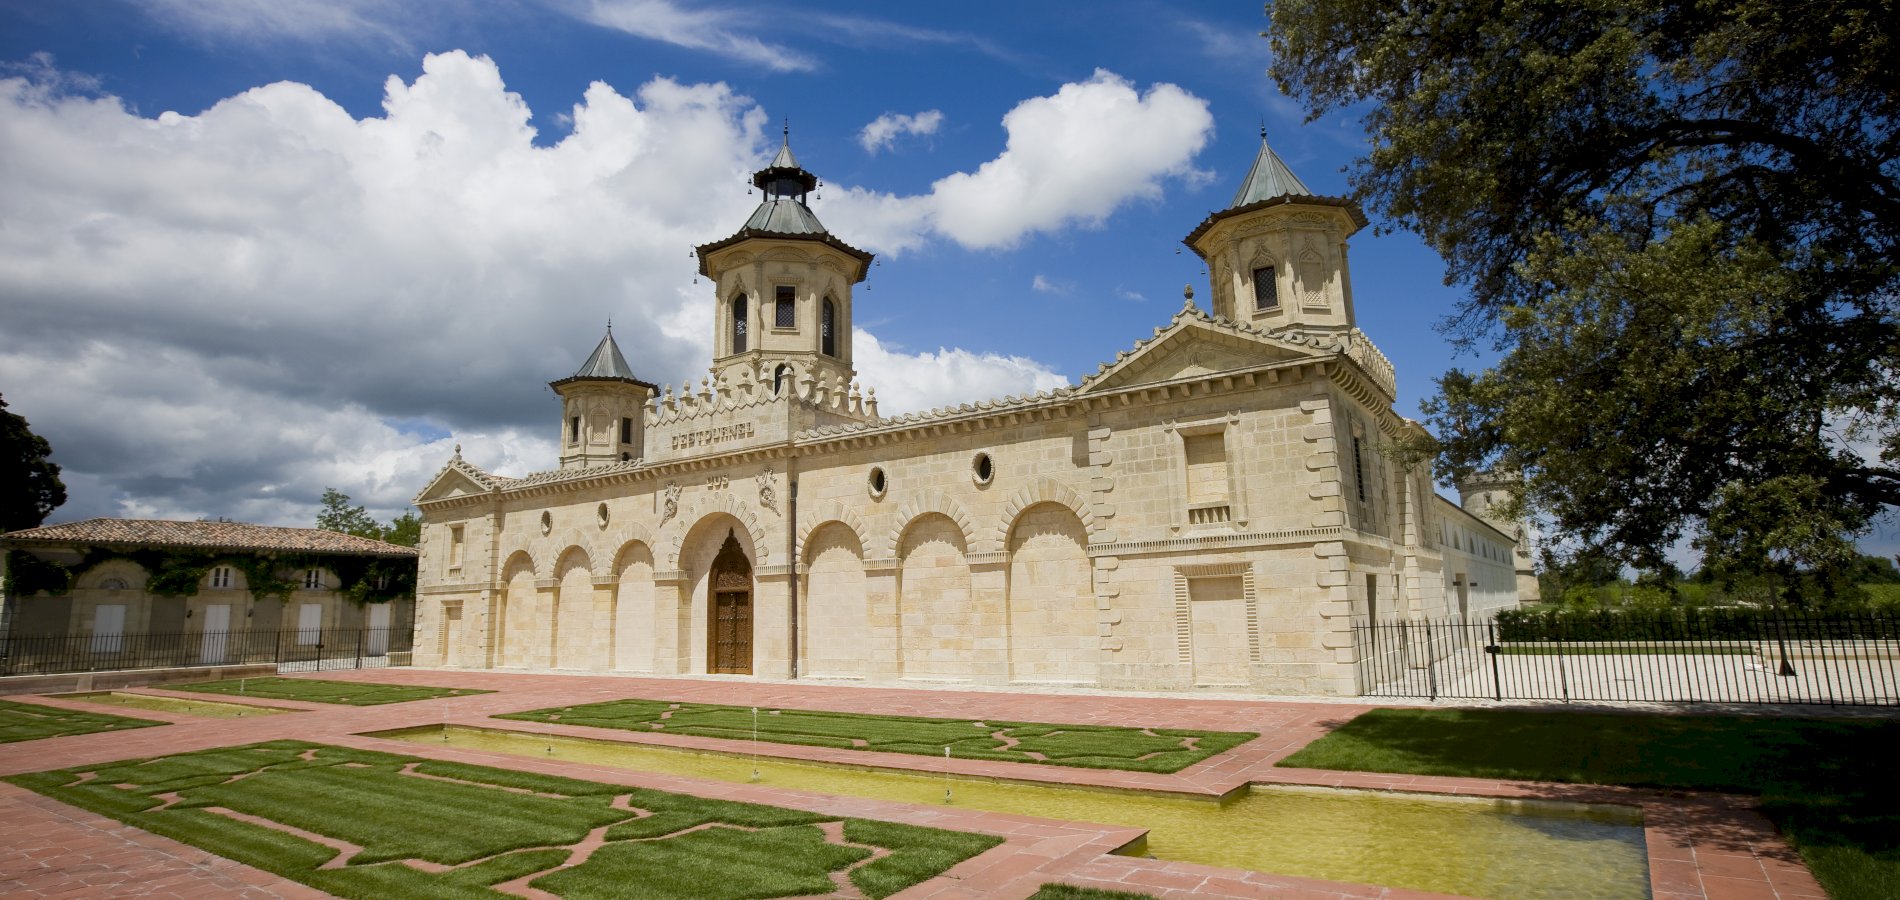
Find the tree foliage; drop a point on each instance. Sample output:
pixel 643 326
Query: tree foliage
pixel 30 488
pixel 1677 222
pixel 338 515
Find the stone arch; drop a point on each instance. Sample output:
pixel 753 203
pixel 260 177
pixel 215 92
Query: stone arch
pixel 514 615
pixel 1043 490
pixel 550 550
pixel 615 543
pixel 1051 622
pixel 131 573
pixel 632 616
pixel 835 614
pixel 570 620
pixel 698 546
pixel 925 504
pixel 518 560
pixel 827 512
pixel 720 502
pixel 936 615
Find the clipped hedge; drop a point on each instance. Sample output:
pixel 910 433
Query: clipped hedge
pixel 1714 623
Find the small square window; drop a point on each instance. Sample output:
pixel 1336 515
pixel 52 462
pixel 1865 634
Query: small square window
pixel 785 309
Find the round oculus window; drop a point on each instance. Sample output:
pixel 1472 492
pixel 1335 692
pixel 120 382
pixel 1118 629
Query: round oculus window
pixel 600 515
pixel 982 469
pixel 877 482
pixel 547 522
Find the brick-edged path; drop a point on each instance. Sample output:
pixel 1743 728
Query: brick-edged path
pixel 1700 846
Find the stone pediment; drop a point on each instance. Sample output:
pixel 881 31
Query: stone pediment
pixel 1194 345
pixel 456 479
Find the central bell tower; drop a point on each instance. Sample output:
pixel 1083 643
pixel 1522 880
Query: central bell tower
pixel 782 289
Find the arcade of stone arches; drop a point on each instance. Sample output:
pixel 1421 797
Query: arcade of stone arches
pixel 931 612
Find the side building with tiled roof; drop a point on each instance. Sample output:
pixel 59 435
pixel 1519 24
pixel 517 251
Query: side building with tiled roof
pixel 1213 509
pixel 144 593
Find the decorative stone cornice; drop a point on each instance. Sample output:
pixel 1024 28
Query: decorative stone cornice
pixel 1227 541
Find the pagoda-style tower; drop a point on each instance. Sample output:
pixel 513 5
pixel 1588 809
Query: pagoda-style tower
pixel 1277 254
pixel 782 289
pixel 603 410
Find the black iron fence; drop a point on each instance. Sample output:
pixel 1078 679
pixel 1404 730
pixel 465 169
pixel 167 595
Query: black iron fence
pixel 1846 660
pixel 290 649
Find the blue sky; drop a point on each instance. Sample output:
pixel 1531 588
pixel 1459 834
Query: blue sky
pixel 253 248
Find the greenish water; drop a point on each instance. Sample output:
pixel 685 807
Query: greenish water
pixel 1470 846
pixel 210 709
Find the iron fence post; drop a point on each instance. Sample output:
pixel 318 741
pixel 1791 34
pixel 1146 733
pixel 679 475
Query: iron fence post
pixel 1563 677
pixel 1431 663
pixel 1491 647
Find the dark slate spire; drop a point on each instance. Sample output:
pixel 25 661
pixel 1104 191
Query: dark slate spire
pixel 606 361
pixel 784 178
pixel 785 184
pixel 1269 178
pixel 783 212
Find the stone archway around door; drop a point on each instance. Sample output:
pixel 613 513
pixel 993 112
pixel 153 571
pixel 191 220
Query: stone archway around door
pixel 729 611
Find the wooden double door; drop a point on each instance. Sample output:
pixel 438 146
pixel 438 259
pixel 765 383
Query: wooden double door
pixel 729 611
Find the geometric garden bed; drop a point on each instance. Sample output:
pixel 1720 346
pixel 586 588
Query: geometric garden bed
pixel 1159 750
pixel 360 823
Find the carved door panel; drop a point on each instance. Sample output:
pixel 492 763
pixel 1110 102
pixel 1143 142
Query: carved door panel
pixel 729 612
pixel 732 632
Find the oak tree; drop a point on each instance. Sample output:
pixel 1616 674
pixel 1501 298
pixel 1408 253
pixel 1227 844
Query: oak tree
pixel 1678 224
pixel 30 488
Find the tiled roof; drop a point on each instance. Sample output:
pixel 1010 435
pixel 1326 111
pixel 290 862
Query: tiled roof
pixel 207 535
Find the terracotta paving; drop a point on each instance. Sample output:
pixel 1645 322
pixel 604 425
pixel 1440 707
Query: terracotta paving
pixel 1700 845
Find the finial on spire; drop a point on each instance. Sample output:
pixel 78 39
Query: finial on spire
pixel 1263 127
pixel 788 131
pixel 610 324
pixel 1187 297
pixel 458 451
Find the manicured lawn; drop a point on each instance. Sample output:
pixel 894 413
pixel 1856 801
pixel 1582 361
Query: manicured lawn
pixel 1092 746
pixel 1821 781
pixel 27 722
pixel 1071 892
pixel 428 829
pixel 312 690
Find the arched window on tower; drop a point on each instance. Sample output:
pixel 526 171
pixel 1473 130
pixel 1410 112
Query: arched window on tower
pixel 738 323
pixel 1266 289
pixel 827 333
pixel 780 375
pixel 786 307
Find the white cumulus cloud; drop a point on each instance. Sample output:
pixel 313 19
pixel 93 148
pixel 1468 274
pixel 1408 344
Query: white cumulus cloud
pixel 1071 159
pixel 222 313
pixel 885 129
pixel 910 382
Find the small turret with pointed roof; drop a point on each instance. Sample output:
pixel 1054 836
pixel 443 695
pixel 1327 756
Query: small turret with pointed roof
pixel 1276 256
pixel 603 409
